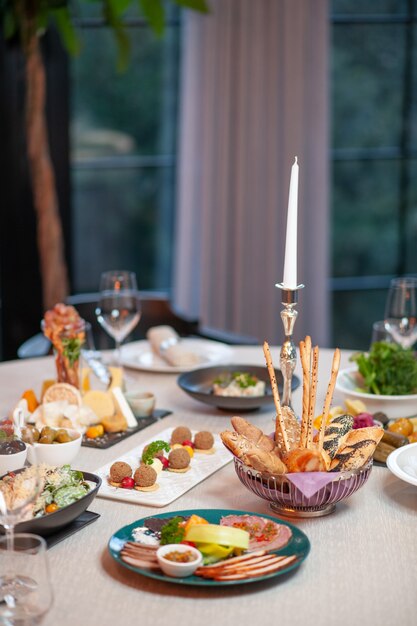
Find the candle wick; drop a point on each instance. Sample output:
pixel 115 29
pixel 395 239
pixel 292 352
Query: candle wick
pixel 296 159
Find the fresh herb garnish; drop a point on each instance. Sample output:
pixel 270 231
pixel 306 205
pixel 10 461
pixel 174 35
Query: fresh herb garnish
pixel 388 369
pixel 243 379
pixel 153 448
pixel 72 349
pixel 172 531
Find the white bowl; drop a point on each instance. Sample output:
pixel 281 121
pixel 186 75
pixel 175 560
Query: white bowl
pixel 403 463
pixel 56 454
pixel 348 382
pixel 11 462
pixel 178 570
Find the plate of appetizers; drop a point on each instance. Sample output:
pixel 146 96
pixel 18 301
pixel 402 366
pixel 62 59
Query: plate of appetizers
pixel 140 355
pixel 232 387
pixel 163 468
pixel 238 547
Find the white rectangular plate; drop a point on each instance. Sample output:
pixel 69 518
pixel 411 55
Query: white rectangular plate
pixel 171 485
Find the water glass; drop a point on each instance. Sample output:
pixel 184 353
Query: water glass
pixel 25 586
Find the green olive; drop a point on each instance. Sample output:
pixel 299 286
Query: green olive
pixel 62 437
pixel 49 438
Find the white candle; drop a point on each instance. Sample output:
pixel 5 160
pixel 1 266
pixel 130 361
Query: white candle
pixel 290 262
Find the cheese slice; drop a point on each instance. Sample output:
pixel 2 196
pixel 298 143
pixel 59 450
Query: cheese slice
pixel 101 402
pixel 123 407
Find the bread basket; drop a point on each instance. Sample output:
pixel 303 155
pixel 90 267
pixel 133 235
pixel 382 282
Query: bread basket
pixel 286 499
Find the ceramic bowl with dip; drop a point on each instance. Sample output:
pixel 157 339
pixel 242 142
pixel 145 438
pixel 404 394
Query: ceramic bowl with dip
pixel 142 403
pixel 178 560
pixel 12 455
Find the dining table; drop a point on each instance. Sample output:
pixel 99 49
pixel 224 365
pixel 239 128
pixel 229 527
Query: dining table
pixel 361 569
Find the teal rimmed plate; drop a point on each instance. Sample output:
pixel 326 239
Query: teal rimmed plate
pixel 299 545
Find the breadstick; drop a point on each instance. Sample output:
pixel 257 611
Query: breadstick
pixel 305 355
pixel 312 402
pixel 329 396
pixel 279 422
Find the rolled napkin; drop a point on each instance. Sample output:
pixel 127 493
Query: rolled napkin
pixel 166 343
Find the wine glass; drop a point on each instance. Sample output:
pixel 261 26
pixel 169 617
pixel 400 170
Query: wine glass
pixel 118 310
pixel 25 587
pixel 401 311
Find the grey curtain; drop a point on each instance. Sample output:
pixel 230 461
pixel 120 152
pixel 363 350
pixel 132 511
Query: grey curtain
pixel 254 95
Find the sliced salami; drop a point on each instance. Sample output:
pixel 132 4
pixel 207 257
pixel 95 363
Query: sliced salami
pixel 264 533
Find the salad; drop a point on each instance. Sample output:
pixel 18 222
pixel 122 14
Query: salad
pixel 60 486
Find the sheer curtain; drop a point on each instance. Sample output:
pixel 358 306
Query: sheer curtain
pixel 253 96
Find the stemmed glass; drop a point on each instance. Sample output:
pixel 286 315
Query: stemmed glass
pixel 401 311
pixel 19 491
pixel 118 310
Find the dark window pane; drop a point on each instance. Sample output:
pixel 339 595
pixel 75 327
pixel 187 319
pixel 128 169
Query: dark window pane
pixel 122 219
pixel 411 226
pixel 369 7
pixel 125 113
pixel 365 218
pixel 367 85
pixel 353 315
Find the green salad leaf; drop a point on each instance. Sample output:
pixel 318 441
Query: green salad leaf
pixel 388 369
pixel 172 531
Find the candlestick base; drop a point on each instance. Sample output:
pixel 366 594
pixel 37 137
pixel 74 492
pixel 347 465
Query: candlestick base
pixel 288 355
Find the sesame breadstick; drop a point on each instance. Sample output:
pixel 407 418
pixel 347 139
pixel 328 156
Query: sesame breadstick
pixel 279 422
pixel 329 396
pixel 312 402
pixel 305 355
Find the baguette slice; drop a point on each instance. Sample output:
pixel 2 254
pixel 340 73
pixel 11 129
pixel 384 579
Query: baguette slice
pixel 253 433
pixel 252 455
pixel 357 449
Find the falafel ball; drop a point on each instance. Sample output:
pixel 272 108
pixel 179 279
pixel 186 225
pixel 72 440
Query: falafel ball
pixel 204 440
pixel 120 470
pixel 180 434
pixel 145 476
pixel 179 458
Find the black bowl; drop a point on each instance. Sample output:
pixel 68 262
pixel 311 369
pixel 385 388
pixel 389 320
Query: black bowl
pixel 199 385
pixel 51 523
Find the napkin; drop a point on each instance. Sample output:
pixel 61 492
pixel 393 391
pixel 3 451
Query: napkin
pixel 166 342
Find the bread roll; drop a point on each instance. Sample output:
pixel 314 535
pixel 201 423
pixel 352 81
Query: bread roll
pixel 358 448
pixel 336 433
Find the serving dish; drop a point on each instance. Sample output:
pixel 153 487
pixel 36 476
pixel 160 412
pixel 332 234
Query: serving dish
pixel 403 463
pixel 11 462
pixel 51 523
pixel 199 385
pixel 171 485
pixel 139 355
pixel 299 545
pixel 56 454
pixel 286 499
pixel 350 380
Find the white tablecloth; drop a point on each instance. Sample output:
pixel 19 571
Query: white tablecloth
pixel 362 568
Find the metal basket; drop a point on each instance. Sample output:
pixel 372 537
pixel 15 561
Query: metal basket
pixel 286 499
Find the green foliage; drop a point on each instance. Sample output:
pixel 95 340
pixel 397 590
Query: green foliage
pixel 388 369
pixel 26 17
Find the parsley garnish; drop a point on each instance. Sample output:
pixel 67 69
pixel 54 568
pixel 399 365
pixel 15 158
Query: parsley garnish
pixel 172 531
pixel 72 349
pixel 154 447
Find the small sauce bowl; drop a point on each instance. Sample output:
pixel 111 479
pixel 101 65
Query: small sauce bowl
pixel 174 568
pixel 142 403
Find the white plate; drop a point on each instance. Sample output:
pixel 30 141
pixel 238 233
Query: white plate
pixel 171 485
pixel 403 463
pixel 348 382
pixel 139 355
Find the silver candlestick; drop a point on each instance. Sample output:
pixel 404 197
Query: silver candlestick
pixel 288 355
